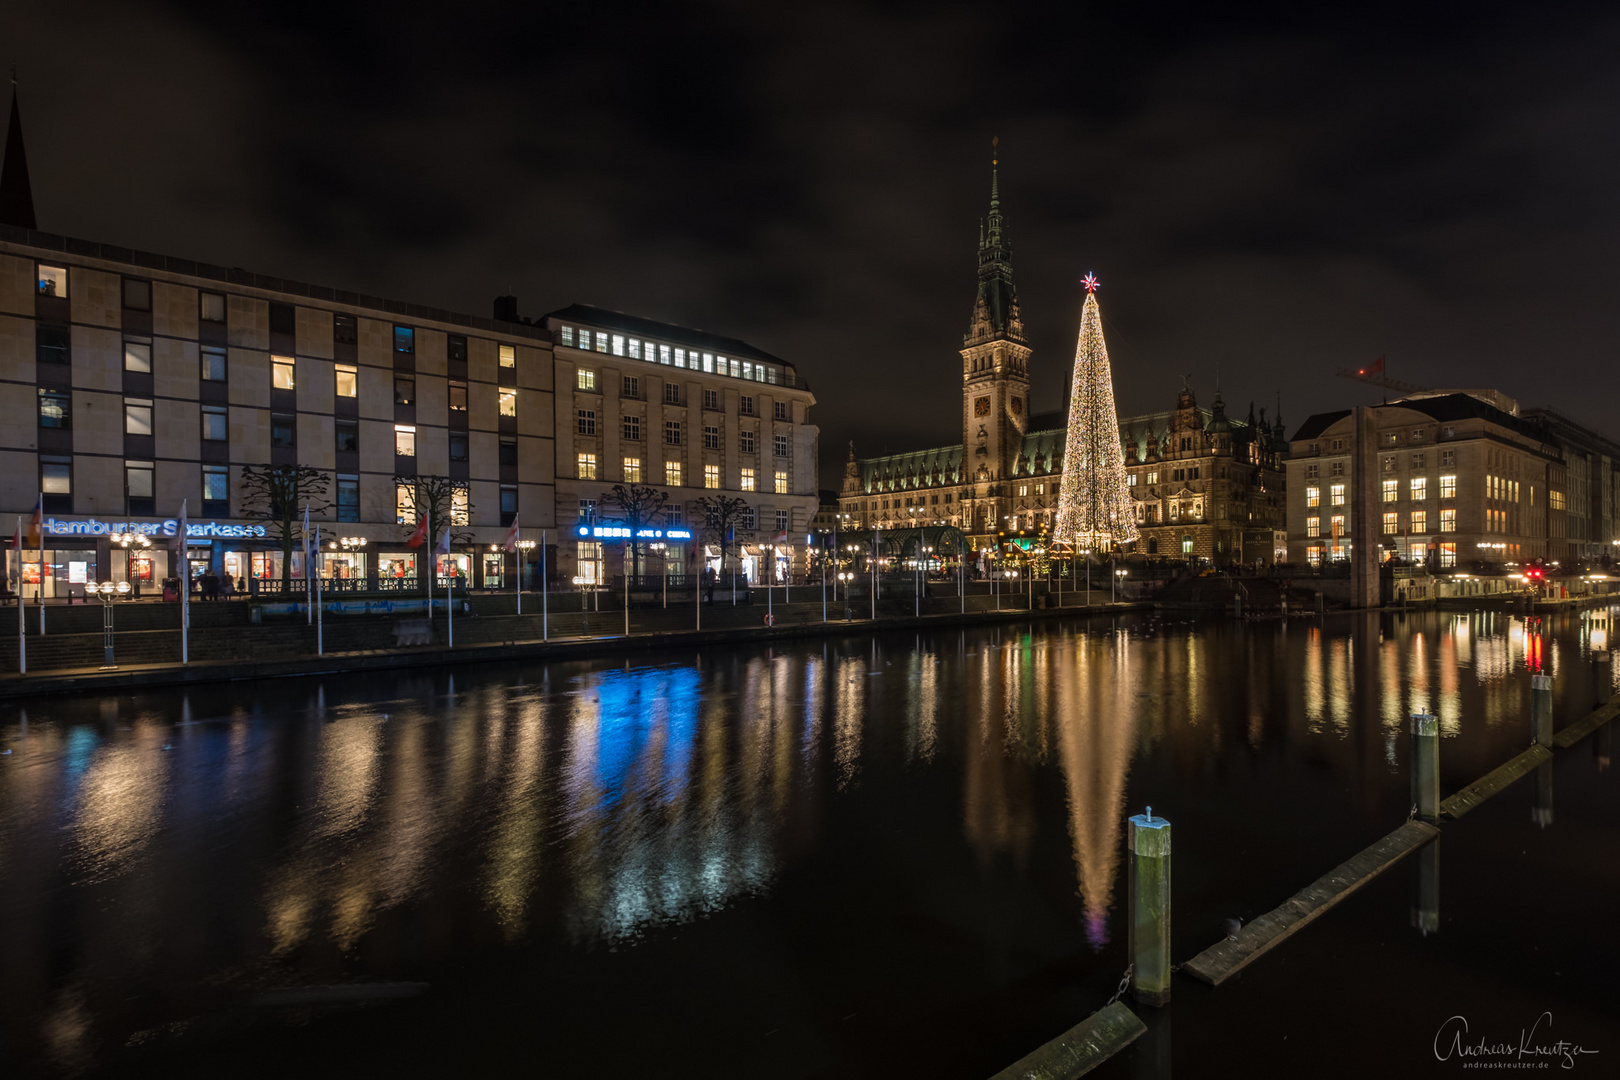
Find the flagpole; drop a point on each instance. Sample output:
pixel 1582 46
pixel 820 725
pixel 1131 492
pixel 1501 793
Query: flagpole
pixel 450 602
pixel 519 583
pixel 22 632
pixel 544 613
pixel 320 640
pixel 185 592
pixel 41 591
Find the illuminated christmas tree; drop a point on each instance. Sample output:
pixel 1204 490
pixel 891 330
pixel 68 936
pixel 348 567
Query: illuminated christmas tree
pixel 1094 504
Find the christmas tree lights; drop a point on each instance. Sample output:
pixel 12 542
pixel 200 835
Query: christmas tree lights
pixel 1094 504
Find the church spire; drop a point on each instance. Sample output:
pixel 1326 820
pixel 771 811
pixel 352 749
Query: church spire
pixel 995 309
pixel 16 195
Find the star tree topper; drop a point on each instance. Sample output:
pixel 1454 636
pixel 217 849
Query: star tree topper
pixel 1090 282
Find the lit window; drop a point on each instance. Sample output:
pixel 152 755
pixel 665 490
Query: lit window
pixel 1153 477
pixel 1313 526
pixel 216 483
pixel 567 335
pixel 711 476
pixel 213 365
pixel 348 380
pixel 1336 523
pixel 1448 520
pixel 1313 496
pixel 601 342
pixel 53 281
pixel 1448 554
pixel 663 353
pixel 137 417
pixel 635 349
pixel 1392 524
pixel 508 356
pixel 138 356
pixel 747 480
pixel 587 467
pixel 404 339
pixel 632 470
pixel 1336 495
pixel 672 473
pixel 214 425
pixel 459 506
pixel 1448 487
pixel 1313 554
pixel 508 402
pixel 458 397
pixel 55 409
pixel 1392 490
pixel 586 379
pixel 618 344
pixel 781 482
pixel 1420 521
pixel 1420 488
pixel 281 372
pixel 404 441
pixel 404 504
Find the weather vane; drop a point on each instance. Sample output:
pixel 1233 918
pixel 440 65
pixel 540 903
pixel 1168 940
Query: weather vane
pixel 1090 282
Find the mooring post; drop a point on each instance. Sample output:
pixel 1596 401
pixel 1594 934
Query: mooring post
pixel 1426 906
pixel 1541 710
pixel 1426 765
pixel 1149 839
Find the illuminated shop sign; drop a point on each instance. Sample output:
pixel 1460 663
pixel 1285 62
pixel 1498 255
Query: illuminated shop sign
pixel 623 532
pixel 195 530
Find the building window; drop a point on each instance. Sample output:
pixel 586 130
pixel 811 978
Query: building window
pixel 404 441
pixel 345 330
pixel 210 307
pixel 1389 462
pixel 745 405
pixel 566 336
pixel 1448 520
pixel 782 448
pixel 1448 459
pixel 632 470
pixel 281 372
pixel 711 437
pixel 51 344
pixel 672 474
pixel 586 463
pixel 346 435
pixel 1153 477
pixel 509 503
pixel 283 430
pixel 586 380
pixel 663 353
pixel 461 507
pixel 630 428
pixel 749 521
pixel 138 486
pixel 507 452
pixel 1336 495
pixel 1392 524
pixel 458 397
pixel 404 390
pixel 711 400
pixel 1336 469
pixel 1313 554
pixel 138 355
pixel 508 355
pixel 672 393
pixel 618 344
pixel 601 342
pixel 782 410
pixel 585 421
pixel 1130 481
pixel 348 380
pixel 745 439
pixel 214 425
pixel 1313 526
pixel 348 498
pixel 404 504
pixel 1448 554
pixel 213 365
pixel 56 483
pixel 1313 496
pixel 1420 488
pixel 137 417
pixel 53 280
pixel 1418 460
pixel 585 339
pixel 455 347
pixel 635 349
pixel 137 294
pixel 55 409
pixel 1419 521
pixel 216 491
pixel 1417 435
pixel 711 476
pixel 747 481
pixel 782 482
pixel 1392 490
pixel 404 339
pixel 672 432
pixel 508 405
pixel 1336 523
pixel 458 447
pixel 630 387
pixel 781 521
pixel 1448 487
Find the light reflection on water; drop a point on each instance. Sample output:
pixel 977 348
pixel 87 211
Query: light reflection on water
pixel 601 803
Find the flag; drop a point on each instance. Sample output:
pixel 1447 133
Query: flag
pixel 36 523
pixel 731 534
pixel 444 544
pixel 781 539
pixel 512 536
pixel 419 537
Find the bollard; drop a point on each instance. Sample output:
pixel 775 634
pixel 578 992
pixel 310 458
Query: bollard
pixel 1426 765
pixel 1426 906
pixel 1541 710
pixel 1149 878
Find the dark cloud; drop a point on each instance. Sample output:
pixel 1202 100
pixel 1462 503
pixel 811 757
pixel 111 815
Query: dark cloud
pixel 1273 192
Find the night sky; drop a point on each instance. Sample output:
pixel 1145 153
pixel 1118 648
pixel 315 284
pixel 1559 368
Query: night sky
pixel 1275 194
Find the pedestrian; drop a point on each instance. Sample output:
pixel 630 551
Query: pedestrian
pixel 228 585
pixel 712 578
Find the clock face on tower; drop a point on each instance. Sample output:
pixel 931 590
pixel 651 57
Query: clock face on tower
pixel 981 406
pixel 1017 405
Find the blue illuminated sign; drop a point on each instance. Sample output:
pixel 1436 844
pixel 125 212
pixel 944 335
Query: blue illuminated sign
pixel 623 532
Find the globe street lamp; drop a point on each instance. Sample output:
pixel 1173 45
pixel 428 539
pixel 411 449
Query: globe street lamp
pixel 1119 576
pixel 127 541
pixel 108 591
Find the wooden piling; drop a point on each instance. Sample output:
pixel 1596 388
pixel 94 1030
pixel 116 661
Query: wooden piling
pixel 1149 888
pixel 1541 732
pixel 1426 765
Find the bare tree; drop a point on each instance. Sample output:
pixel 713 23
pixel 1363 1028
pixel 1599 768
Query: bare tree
pixel 445 502
pixel 639 508
pixel 277 495
pixel 720 514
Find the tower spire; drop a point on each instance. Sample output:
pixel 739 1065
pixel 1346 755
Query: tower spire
pixel 995 310
pixel 16 194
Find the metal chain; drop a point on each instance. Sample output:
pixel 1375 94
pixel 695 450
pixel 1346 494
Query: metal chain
pixel 1124 983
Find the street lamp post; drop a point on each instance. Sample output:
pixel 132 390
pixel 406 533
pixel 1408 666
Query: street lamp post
pixel 109 592
pixel 524 547
pixel 128 541
pixel 1119 576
